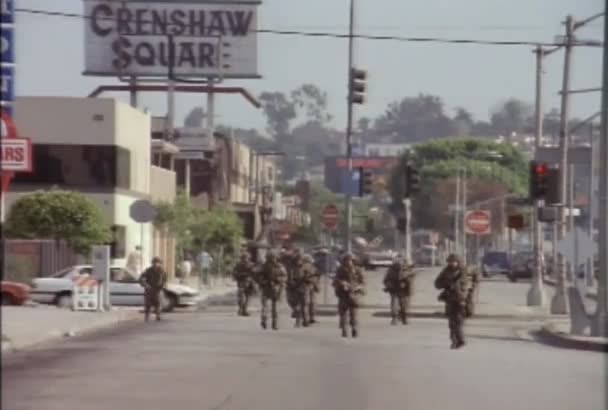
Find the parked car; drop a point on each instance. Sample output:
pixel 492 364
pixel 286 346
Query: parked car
pixel 495 263
pixel 14 293
pixel 424 256
pixel 125 289
pixel 522 266
pixel 377 259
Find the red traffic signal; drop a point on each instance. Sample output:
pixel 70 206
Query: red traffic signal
pixel 539 180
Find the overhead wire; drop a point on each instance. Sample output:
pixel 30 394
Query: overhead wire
pixel 324 34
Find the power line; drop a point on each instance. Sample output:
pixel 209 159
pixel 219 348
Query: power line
pixel 321 34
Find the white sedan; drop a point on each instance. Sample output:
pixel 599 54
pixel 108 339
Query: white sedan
pixel 125 289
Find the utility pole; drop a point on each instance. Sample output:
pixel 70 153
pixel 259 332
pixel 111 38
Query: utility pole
pixel 591 208
pixel 349 129
pixel 600 327
pixel 536 295
pixel 457 215
pixel 464 210
pixel 407 239
pixel 560 303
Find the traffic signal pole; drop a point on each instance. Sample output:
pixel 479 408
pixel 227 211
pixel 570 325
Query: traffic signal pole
pixel 560 303
pixel 600 325
pixel 349 129
pixel 536 295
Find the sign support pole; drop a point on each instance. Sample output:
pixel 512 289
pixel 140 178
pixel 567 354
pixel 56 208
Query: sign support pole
pixel 600 327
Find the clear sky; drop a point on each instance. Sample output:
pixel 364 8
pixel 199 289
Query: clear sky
pixel 50 54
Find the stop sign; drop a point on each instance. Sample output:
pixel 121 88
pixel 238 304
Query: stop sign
pixel 477 222
pixel 330 216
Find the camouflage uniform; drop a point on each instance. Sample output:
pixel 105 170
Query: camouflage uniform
pixel 454 283
pixel 300 283
pixel 349 285
pixel 287 260
pixel 243 275
pixel 315 288
pixel 153 281
pixel 271 280
pixel 473 290
pixel 398 282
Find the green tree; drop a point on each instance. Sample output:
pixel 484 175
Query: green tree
pixel 415 119
pixel 178 217
pixel 61 216
pixel 492 169
pixel 219 231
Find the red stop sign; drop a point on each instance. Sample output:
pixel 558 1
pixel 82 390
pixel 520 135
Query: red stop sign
pixel 330 216
pixel 477 222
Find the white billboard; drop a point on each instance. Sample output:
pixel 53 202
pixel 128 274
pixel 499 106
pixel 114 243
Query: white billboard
pixel 211 38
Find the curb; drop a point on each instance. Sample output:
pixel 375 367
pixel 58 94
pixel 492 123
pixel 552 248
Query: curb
pixel 59 334
pixel 550 335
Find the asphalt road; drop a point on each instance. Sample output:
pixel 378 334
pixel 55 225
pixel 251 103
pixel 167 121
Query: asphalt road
pixel 214 360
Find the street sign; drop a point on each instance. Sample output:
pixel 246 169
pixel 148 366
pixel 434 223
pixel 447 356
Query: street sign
pixel 142 211
pixel 330 216
pixel 577 247
pixel 477 222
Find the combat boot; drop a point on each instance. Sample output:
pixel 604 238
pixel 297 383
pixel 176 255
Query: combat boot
pixel 298 324
pixel 263 323
pixel 394 321
pixel 404 318
pixel 344 332
pixel 355 333
pixel 245 313
pixel 275 326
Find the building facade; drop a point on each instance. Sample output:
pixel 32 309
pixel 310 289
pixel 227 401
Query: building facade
pixel 102 148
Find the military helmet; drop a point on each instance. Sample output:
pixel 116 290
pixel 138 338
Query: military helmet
pixel 453 258
pixel 156 259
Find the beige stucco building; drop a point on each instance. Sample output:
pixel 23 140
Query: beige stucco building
pixel 102 148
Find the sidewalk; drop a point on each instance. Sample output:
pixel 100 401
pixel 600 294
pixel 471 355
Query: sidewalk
pixel 557 333
pixel 27 326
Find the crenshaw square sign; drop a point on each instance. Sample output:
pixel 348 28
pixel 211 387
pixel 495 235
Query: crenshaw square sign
pixel 211 38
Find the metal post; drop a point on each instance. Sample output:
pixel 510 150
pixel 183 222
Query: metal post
pixel 477 244
pixel 349 129
pixel 570 269
pixel 464 210
pixel 170 109
pixel 251 177
pixel 257 178
pixel 133 91
pixel 591 209
pixel 457 216
pixel 187 178
pixel 560 303
pixel 536 295
pixel 600 327
pixel 407 240
pixel 210 111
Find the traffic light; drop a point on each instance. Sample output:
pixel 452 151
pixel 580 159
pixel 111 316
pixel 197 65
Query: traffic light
pixel 366 182
pixel 516 222
pixel 554 188
pixel 401 224
pixel 412 181
pixel 357 86
pixel 539 180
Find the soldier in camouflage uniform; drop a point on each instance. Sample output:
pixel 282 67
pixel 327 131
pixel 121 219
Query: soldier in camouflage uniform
pixel 271 280
pixel 244 276
pixel 300 282
pixel 349 284
pixel 314 288
pixel 454 283
pixel 472 294
pixel 287 260
pixel 398 283
pixel 153 281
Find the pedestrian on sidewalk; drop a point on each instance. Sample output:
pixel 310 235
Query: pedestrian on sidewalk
pixel 153 281
pixel 204 261
pixel 135 261
pixel 186 269
pixel 453 281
